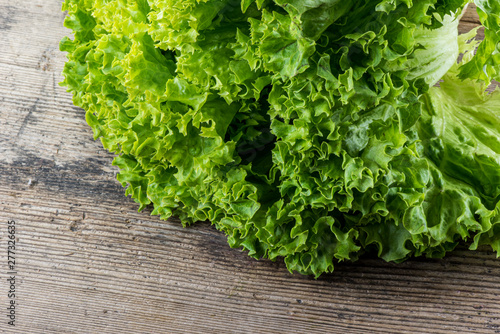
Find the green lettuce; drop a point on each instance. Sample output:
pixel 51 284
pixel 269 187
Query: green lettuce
pixel 306 130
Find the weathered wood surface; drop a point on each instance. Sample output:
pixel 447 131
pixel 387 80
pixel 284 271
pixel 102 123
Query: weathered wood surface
pixel 89 263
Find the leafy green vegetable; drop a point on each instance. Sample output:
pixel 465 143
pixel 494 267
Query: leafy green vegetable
pixel 309 129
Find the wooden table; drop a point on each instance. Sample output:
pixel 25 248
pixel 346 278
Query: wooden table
pixel 88 262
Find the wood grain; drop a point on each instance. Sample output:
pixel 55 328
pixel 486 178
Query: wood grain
pixel 88 262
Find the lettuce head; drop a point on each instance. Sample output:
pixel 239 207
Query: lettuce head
pixel 309 130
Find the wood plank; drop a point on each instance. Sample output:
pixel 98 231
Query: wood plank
pixel 471 14
pixel 105 260
pixel 88 262
pixel 465 27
